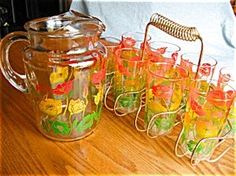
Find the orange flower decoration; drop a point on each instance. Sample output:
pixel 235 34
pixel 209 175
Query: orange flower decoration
pixel 156 55
pixel 174 56
pixel 162 91
pixel 123 70
pixel 196 107
pixel 224 78
pixel 99 76
pixel 160 50
pixel 218 97
pixel 121 67
pixel 63 88
pixel 186 64
pixel 205 69
pixel 135 58
pixel 127 42
pixel 158 58
pixel 139 64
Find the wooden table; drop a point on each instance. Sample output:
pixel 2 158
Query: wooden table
pixel 115 147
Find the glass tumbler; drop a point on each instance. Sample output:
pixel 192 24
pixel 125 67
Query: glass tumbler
pixel 164 94
pixel 111 43
pixel 161 51
pixel 227 75
pixel 205 71
pixel 134 40
pixel 206 68
pixel 129 80
pixel 206 114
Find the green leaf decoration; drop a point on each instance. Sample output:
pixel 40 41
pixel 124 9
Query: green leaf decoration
pixel 201 100
pixel 127 101
pixel 199 148
pixel 233 123
pixel 207 146
pixel 59 97
pixel 50 122
pixel 191 144
pixel 93 115
pixel 86 122
pixel 183 136
pixel 97 115
pixel 75 123
pixel 60 128
pixel 46 125
pixel 158 122
pixel 71 93
pixel 165 123
pixel 148 116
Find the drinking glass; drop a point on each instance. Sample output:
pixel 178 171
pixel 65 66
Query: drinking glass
pixel 206 114
pixel 161 51
pixel 164 94
pixel 134 40
pixel 206 68
pixel 226 76
pixel 205 71
pixel 129 80
pixel 111 43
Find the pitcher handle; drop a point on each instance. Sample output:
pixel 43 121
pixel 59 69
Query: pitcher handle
pixel 17 80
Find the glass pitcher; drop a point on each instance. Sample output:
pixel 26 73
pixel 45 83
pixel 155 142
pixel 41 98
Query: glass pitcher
pixel 64 73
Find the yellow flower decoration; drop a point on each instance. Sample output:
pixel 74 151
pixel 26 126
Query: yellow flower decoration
pixel 76 106
pixel 233 112
pixel 51 107
pixel 205 129
pixel 156 107
pixel 59 75
pixel 150 95
pixel 132 85
pixel 99 96
pixel 176 99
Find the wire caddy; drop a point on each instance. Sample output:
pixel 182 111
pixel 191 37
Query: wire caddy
pixel 181 32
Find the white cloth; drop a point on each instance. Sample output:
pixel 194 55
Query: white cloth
pixel 214 20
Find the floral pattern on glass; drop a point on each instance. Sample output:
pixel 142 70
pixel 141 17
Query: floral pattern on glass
pixel 206 113
pixel 66 112
pixel 163 96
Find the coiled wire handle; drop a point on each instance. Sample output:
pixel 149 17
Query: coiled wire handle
pixel 176 30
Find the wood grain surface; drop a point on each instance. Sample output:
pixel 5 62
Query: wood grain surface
pixel 115 147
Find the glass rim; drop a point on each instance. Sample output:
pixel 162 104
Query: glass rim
pixel 31 26
pixel 205 93
pixel 136 32
pixel 118 51
pixel 203 56
pixel 172 65
pixel 171 44
pixel 220 73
